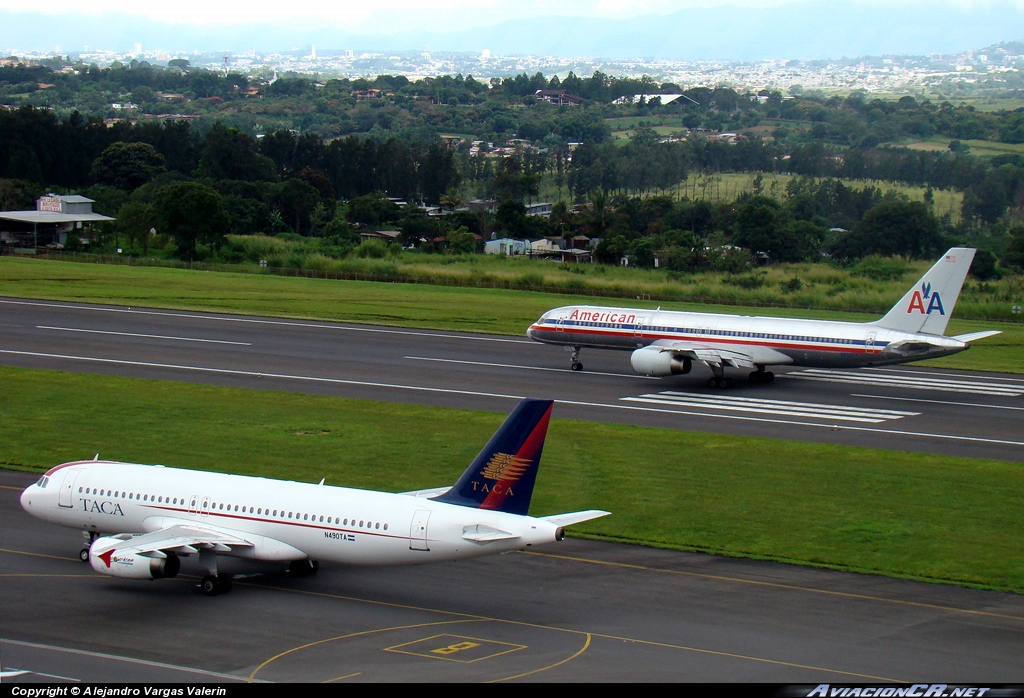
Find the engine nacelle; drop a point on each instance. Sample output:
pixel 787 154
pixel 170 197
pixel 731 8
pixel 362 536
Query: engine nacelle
pixel 653 361
pixel 106 559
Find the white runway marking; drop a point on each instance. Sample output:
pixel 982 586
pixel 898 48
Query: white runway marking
pixel 775 407
pixel 341 381
pixel 940 402
pixel 120 658
pixel 918 372
pixel 147 336
pixel 908 380
pixel 528 368
pixel 282 323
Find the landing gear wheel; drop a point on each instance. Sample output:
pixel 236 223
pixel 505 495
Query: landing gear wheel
pixel 83 555
pixel 224 582
pixel 716 382
pixel 210 585
pixel 577 366
pixel 713 382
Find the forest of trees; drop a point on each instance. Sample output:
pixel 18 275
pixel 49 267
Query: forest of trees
pixel 300 179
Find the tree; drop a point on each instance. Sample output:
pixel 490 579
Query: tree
pixel 135 219
pixel 193 214
pixel 893 228
pixel 461 241
pixel 230 154
pixel 127 166
pixel 1014 254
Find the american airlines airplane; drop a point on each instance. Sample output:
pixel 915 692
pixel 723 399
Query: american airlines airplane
pixel 141 519
pixel 666 343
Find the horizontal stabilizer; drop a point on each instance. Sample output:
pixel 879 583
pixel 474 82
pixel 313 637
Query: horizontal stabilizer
pixel 427 493
pixel 973 336
pixel 479 533
pixel 575 517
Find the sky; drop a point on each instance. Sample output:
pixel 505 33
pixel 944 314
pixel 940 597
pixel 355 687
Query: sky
pixel 741 30
pixel 394 16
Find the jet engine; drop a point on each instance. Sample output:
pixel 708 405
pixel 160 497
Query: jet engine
pixel 653 361
pixel 107 559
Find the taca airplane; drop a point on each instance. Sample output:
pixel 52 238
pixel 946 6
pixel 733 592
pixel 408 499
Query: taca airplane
pixel 666 343
pixel 158 515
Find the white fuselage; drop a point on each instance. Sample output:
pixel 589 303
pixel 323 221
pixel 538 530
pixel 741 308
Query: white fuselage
pixel 281 520
pixel 767 340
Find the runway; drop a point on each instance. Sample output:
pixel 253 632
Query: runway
pixel 570 612
pixel 911 409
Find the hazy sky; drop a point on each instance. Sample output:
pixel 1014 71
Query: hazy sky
pixel 387 16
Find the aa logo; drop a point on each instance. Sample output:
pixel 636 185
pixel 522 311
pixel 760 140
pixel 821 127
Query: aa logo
pixel 925 302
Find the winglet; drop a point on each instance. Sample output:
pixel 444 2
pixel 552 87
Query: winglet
pixel 502 475
pixel 926 307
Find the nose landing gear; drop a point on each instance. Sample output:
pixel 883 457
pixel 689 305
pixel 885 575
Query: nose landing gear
pixel 575 359
pixel 89 536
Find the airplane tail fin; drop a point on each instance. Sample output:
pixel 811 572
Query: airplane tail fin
pixel 502 475
pixel 926 307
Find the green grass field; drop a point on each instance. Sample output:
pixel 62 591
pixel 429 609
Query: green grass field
pixel 488 310
pixel 977 147
pixel 910 515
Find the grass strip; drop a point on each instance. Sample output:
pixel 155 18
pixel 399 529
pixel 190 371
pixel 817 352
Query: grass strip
pixel 936 518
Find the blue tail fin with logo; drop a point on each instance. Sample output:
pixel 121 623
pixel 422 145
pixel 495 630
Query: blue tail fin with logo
pixel 926 307
pixel 502 475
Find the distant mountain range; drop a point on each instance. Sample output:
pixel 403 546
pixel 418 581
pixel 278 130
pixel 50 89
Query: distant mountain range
pixel 814 29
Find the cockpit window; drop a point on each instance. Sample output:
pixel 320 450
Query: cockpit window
pixel 42 482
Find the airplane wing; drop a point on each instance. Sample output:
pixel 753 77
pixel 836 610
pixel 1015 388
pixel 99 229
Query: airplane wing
pixel 712 356
pixel 179 539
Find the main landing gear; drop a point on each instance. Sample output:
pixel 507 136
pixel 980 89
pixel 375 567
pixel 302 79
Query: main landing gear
pixel 576 365
pixel 303 568
pixel 212 582
pixel 761 376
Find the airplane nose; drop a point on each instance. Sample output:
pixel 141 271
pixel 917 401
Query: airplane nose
pixel 26 498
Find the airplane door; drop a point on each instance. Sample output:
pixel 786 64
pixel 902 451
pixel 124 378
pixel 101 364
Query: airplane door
pixel 638 328
pixel 67 490
pixel 869 345
pixel 560 325
pixel 193 505
pixel 418 531
pixel 205 511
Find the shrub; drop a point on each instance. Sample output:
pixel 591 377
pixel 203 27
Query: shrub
pixel 881 268
pixel 746 281
pixel 791 286
pixel 372 249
